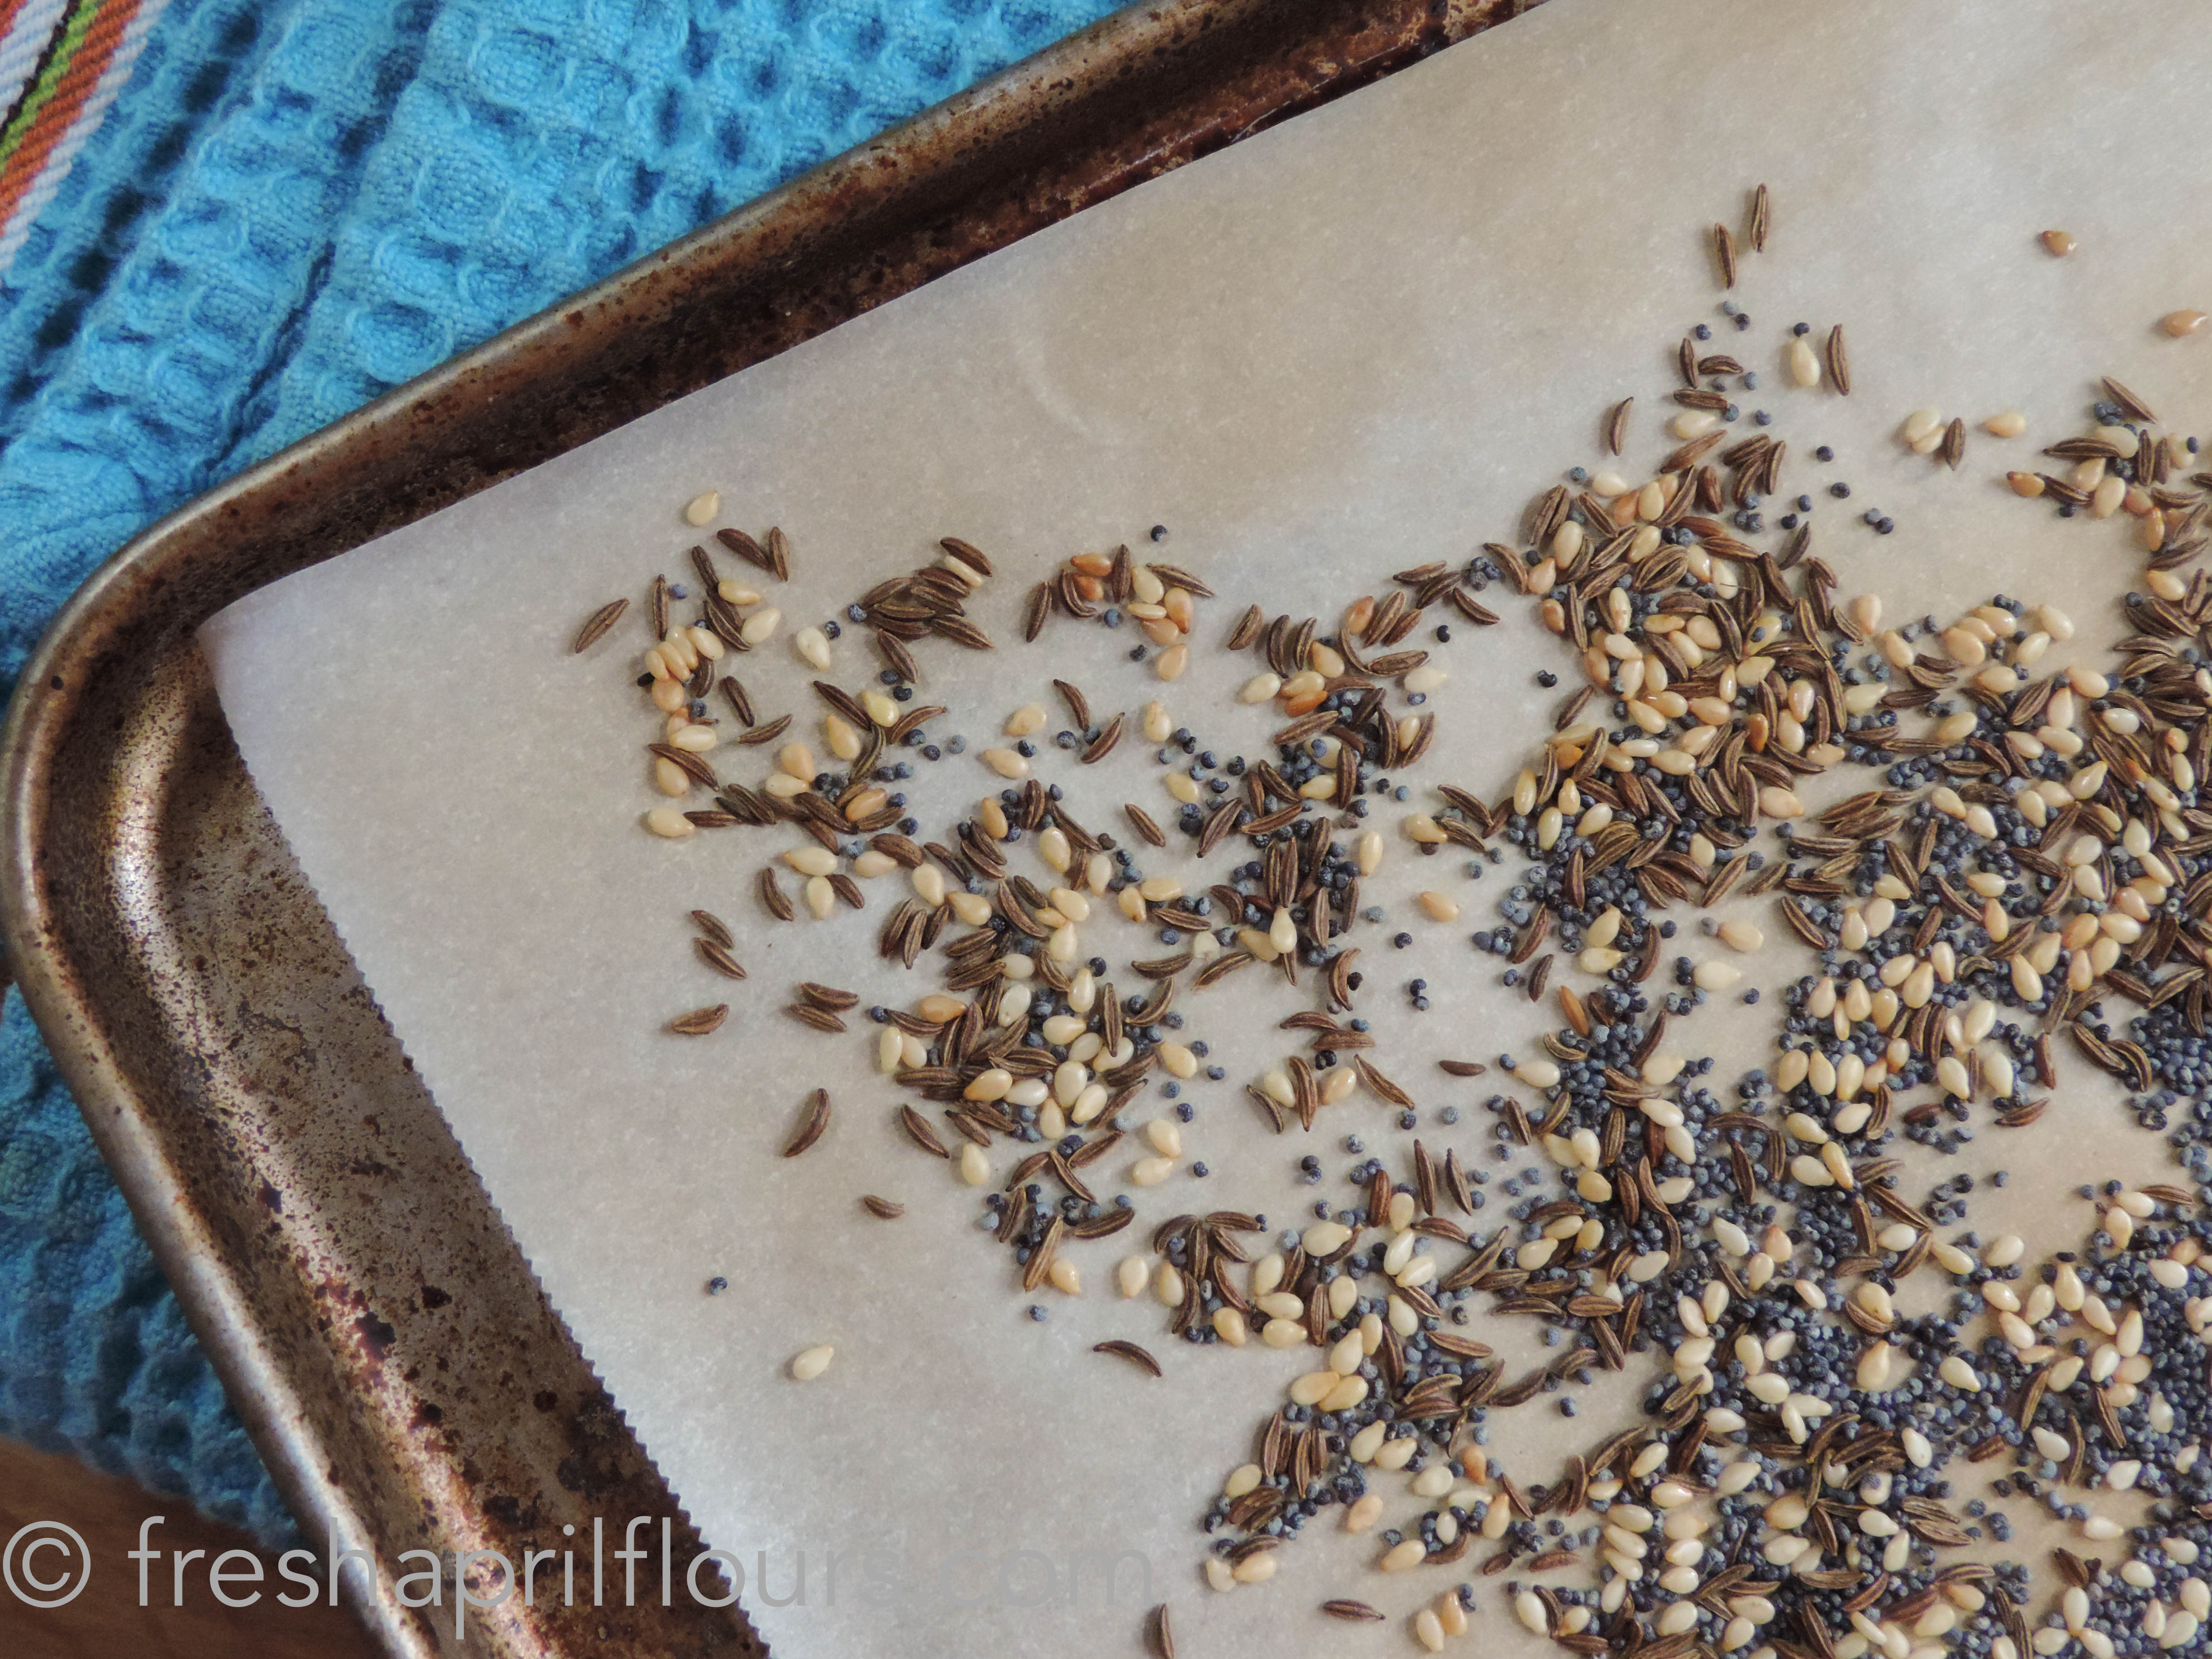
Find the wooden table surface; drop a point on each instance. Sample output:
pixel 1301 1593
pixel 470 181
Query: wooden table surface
pixel 106 1621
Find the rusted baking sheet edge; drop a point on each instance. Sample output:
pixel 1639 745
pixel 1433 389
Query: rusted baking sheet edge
pixel 387 1346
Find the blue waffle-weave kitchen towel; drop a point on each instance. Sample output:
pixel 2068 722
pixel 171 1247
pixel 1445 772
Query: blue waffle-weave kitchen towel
pixel 290 207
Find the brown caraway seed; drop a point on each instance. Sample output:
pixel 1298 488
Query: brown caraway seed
pixel 1839 362
pixel 768 733
pixel 884 1209
pixel 1344 1608
pixel 811 1123
pixel 1174 575
pixel 596 625
pixel 844 702
pixel 918 1131
pixel 745 548
pixel 961 631
pixel 1761 209
pixel 690 765
pixel 1141 821
pixel 700 1021
pixel 1724 250
pixel 967 553
pixel 722 616
pixel 659 609
pixel 2130 405
pixel 1616 425
pixel 1104 746
pixel 827 996
pixel 1130 1351
pixel 738 700
pixel 912 721
pixel 820 1018
pixel 1954 443
pixel 1163 1633
pixel 773 896
pixel 1472 608
pixel 897 654
pixel 717 956
pixel 1079 705
pixel 713 928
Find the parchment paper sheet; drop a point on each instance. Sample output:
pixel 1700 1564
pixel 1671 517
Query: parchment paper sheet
pixel 1358 342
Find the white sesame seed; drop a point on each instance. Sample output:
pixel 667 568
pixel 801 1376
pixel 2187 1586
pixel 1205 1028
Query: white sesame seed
pixel 1776 802
pixel 1325 1238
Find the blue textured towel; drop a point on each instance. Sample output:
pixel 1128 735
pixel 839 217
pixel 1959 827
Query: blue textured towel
pixel 296 205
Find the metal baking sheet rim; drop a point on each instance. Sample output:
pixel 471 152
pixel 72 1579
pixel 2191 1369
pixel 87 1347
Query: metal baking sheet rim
pixel 394 1413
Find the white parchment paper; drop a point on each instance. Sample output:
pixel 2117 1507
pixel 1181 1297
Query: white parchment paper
pixel 1354 344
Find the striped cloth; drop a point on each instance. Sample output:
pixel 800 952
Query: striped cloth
pixel 62 62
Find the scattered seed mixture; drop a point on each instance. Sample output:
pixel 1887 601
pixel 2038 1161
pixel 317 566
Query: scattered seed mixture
pixel 1850 1407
